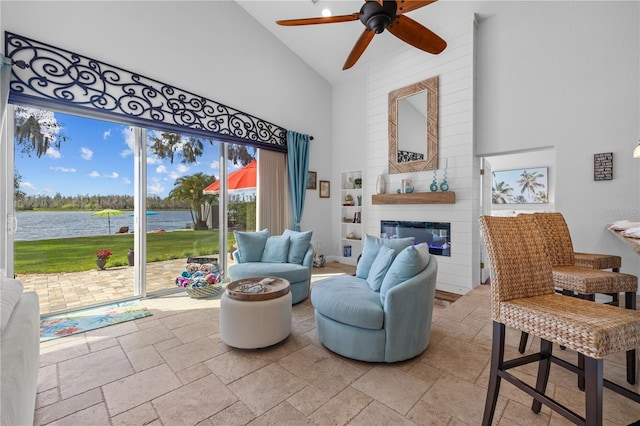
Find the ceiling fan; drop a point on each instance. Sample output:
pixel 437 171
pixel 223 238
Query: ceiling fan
pixel 378 15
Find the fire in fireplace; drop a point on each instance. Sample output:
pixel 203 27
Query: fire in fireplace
pixel 436 234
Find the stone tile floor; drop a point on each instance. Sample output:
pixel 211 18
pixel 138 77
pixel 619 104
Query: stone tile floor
pixel 172 369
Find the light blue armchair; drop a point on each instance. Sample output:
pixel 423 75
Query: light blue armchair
pixel 388 325
pixel 289 256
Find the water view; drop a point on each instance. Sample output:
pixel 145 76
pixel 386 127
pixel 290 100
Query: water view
pixel 46 225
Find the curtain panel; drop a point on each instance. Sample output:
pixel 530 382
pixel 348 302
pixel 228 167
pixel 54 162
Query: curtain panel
pixel 298 164
pixel 273 207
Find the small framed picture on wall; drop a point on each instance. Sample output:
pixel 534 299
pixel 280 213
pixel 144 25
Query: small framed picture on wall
pixel 325 189
pixel 311 180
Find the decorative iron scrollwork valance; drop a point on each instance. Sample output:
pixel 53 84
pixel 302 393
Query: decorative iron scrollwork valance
pixel 48 77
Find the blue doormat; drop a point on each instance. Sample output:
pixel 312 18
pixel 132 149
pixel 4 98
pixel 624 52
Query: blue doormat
pixel 70 323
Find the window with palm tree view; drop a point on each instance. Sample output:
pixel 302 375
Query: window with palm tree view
pixel 75 204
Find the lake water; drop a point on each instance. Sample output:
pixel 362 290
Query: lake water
pixel 46 225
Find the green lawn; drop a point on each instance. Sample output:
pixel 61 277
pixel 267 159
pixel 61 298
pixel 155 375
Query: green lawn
pixel 78 254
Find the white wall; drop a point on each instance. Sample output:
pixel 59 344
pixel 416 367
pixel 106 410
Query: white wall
pixel 566 75
pixel 214 49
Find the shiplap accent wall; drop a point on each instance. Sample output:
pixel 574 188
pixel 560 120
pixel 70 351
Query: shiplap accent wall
pixel 455 68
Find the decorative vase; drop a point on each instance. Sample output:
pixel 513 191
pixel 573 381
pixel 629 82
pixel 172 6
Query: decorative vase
pixel 101 263
pixel 380 184
pixel 434 185
pixel 350 184
pixel 444 186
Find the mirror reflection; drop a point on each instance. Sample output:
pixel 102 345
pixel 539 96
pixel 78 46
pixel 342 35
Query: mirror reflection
pixel 413 127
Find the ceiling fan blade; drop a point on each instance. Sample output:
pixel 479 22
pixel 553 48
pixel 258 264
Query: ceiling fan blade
pixel 323 20
pixel 359 48
pixel 405 6
pixel 410 31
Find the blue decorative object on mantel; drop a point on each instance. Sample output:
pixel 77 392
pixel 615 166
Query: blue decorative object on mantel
pixel 444 186
pixel 434 184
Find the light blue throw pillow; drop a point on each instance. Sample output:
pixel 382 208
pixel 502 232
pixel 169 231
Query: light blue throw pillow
pixel 298 245
pixel 380 266
pixel 407 264
pixel 276 250
pixel 251 245
pixel 372 246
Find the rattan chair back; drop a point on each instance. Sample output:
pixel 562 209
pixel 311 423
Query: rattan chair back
pixel 555 232
pixel 520 267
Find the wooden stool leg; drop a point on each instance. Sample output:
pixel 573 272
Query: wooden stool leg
pixel 630 303
pixel 593 392
pixel 544 365
pixel 497 360
pixel 582 373
pixel 616 296
pixel 523 342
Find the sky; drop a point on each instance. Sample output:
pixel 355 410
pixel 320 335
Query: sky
pixel 97 159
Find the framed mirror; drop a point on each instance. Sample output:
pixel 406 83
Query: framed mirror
pixel 413 127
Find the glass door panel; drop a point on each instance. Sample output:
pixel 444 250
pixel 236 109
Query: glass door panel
pixel 73 198
pixel 182 218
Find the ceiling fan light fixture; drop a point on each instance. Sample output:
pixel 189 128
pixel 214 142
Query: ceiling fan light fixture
pixel 376 17
pixel 326 12
pixel 636 152
pixel 378 23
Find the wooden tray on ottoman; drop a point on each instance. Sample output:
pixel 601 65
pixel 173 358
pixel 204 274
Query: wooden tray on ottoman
pixel 272 288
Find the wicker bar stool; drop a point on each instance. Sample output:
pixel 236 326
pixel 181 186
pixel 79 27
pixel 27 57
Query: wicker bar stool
pixel 600 261
pixel 581 282
pixel 523 297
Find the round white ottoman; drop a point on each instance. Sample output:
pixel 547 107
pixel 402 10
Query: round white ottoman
pixel 250 324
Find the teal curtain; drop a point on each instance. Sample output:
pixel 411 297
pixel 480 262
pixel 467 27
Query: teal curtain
pixel 298 165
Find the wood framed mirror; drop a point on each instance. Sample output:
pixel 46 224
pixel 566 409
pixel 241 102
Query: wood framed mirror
pixel 413 127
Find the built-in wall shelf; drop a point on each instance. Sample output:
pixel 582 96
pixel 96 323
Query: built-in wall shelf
pixel 439 197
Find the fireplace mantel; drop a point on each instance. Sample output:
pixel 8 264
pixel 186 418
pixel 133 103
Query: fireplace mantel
pixel 446 197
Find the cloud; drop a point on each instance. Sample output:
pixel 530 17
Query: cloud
pixel 182 168
pixel 153 160
pixel 113 175
pixel 63 169
pixel 161 169
pixel 155 188
pixel 53 153
pixel 48 190
pixel 126 181
pixel 27 185
pixel 86 153
pixel 214 165
pixel 175 175
pixel 94 174
pixel 106 134
pixel 129 140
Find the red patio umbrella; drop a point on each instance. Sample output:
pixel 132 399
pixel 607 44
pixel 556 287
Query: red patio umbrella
pixel 243 178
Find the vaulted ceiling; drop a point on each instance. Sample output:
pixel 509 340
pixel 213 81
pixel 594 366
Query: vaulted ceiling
pixel 325 47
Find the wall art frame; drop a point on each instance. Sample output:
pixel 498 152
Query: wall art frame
pixel 520 186
pixel 325 189
pixel 312 180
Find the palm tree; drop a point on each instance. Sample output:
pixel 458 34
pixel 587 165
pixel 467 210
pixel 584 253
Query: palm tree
pixel 501 193
pixel 166 145
pixel 189 189
pixel 541 197
pixel 528 183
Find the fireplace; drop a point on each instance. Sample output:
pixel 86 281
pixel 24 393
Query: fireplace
pixel 436 234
